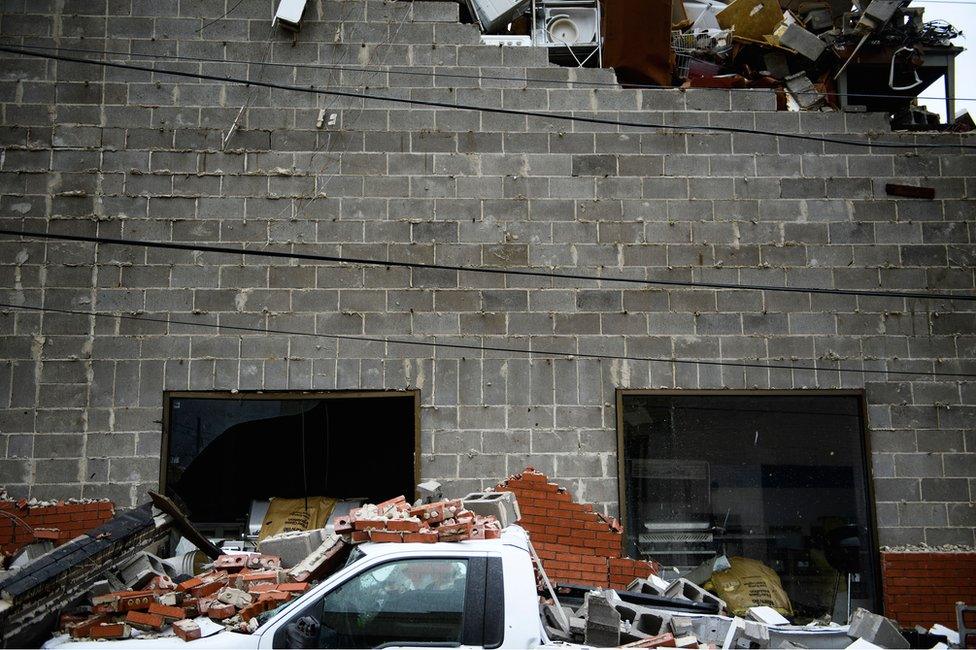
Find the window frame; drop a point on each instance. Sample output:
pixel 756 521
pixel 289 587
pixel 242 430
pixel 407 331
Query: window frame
pixel 874 551
pixel 473 623
pixel 284 395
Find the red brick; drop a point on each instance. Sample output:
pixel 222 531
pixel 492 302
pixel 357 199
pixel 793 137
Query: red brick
pixel 109 631
pixel 168 612
pixel 187 630
pixel 385 536
pixel 220 611
pixel 145 620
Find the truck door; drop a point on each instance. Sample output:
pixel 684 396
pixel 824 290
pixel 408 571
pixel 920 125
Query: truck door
pixel 432 601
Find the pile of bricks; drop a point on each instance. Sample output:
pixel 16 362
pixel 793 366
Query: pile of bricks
pixel 24 522
pixel 397 521
pixel 575 543
pixel 236 590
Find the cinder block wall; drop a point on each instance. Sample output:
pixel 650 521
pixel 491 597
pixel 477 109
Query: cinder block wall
pixel 122 153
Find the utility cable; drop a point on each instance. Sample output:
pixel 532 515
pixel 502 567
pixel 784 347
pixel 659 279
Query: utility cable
pixel 449 75
pixel 487 109
pixel 490 348
pixel 207 248
pixel 220 17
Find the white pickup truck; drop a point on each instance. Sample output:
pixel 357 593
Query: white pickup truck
pixel 471 594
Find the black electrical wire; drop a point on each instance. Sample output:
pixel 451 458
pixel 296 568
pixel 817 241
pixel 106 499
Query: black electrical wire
pixel 220 17
pixel 488 348
pixel 162 56
pixel 486 109
pixel 206 248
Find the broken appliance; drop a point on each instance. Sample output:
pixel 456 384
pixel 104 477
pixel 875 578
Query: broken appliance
pixel 570 29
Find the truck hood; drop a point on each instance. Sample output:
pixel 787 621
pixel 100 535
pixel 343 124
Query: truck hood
pixel 223 639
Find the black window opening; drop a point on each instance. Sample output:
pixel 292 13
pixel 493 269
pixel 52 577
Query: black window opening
pixel 778 477
pixel 223 450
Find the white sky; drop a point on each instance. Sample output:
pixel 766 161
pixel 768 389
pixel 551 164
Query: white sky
pixel 962 17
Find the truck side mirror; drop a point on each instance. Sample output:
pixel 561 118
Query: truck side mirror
pixel 303 633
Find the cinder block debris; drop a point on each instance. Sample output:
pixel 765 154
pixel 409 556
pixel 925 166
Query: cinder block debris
pixel 501 505
pixel 877 629
pixel 292 547
pixel 602 622
pixel 767 615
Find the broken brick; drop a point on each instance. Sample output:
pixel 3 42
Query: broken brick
pixel 186 629
pixel 342 525
pixel 83 629
pixel 168 612
pixel 192 583
pixel 208 588
pixel 425 536
pixel 293 587
pixel 256 608
pixel 411 525
pixel 231 563
pixel 145 620
pixel 161 584
pixel 220 611
pixel 385 536
pixel 110 631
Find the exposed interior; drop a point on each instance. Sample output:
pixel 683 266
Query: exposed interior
pixel 782 479
pixel 224 451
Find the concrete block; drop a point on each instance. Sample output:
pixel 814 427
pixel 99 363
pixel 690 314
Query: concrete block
pixel 292 547
pixel 766 615
pixel 682 588
pixel 602 622
pixel 143 568
pixel 502 505
pixel 642 586
pixel 876 629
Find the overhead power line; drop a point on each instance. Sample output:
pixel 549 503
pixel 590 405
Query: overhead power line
pixel 207 248
pixel 487 109
pixel 488 348
pixel 379 68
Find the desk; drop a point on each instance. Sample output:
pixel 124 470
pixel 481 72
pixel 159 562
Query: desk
pixel 868 74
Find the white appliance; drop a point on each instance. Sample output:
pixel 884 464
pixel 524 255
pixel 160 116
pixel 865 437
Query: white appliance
pixel 571 26
pixel 495 14
pixel 506 40
pixel 289 14
pixel 570 29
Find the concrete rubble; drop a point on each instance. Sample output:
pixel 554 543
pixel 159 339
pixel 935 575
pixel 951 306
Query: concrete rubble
pixel 147 596
pixel 238 590
pixel 820 55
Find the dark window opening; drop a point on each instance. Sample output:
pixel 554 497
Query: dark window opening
pixel 224 450
pixel 779 478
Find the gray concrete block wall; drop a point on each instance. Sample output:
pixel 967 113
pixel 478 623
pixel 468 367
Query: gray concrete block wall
pixel 122 153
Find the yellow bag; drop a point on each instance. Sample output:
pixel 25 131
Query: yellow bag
pixel 749 583
pixel 289 515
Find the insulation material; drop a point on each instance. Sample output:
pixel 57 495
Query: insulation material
pixel 290 515
pixel 749 583
pixel 751 19
pixel 636 40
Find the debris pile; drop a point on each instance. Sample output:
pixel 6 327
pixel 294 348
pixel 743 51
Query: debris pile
pixel 397 521
pixel 29 527
pixel 147 597
pixel 875 55
pixel 646 616
pixel 821 55
pixel 232 593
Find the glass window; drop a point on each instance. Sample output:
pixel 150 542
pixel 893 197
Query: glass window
pixel 410 601
pixel 777 478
